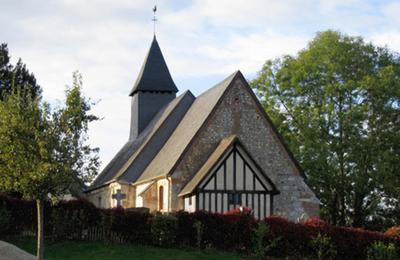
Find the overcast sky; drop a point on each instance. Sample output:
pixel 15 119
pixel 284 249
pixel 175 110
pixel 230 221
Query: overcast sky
pixel 203 41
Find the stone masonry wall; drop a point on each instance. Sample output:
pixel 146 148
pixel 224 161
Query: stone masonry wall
pixel 150 198
pixel 239 114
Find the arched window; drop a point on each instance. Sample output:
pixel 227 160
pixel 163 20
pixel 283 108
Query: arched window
pixel 160 197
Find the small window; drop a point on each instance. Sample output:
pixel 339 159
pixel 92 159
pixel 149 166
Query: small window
pixel 190 201
pixel 235 199
pixel 99 201
pixel 161 198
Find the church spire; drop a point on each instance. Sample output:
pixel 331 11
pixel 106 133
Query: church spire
pixel 154 74
pixel 153 89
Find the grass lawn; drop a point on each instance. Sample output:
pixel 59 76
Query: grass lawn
pixel 98 250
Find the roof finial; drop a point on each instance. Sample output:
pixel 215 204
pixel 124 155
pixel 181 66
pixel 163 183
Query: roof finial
pixel 154 19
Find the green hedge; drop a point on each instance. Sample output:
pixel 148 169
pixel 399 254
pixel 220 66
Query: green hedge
pixel 233 231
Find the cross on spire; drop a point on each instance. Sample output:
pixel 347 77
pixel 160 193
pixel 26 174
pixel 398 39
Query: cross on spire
pixel 154 19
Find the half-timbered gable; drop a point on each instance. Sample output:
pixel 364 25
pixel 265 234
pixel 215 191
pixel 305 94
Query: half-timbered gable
pixel 229 179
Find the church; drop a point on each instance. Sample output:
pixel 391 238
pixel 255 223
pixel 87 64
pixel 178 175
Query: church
pixel 214 152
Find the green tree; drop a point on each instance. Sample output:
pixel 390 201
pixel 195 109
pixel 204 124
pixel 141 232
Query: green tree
pixel 337 105
pixel 43 151
pixel 17 75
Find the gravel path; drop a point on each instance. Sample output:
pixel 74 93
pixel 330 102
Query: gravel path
pixel 11 252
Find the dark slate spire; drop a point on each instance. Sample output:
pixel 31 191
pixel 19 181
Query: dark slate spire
pixel 153 90
pixel 154 74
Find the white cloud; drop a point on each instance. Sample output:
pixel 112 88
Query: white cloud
pixel 223 16
pixel 391 11
pixel 107 41
pixel 391 39
pixel 249 52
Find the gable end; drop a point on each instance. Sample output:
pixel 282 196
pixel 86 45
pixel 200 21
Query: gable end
pixel 229 152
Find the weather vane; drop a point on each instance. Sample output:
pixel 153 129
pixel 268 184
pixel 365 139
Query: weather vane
pixel 154 19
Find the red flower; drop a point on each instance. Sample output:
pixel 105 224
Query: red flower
pixel 315 222
pixel 238 211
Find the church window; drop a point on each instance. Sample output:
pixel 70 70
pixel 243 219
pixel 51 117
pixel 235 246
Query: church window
pixel 235 199
pixel 161 198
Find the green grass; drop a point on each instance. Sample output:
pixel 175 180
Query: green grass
pixel 98 250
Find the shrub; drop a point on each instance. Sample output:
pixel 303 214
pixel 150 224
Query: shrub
pixel 71 219
pixel 350 243
pixel 136 227
pixel 119 225
pixel 164 229
pixel 23 214
pixel 214 229
pixel 353 243
pixel 323 247
pixel 382 251
pixel 5 219
pixel 294 237
pixel 238 230
pixel 132 227
pixel 393 232
pixel 261 245
pixel 234 230
pixel 186 233
pixel 58 229
pixel 315 222
pixel 199 227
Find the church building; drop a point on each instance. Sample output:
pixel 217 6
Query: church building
pixel 215 152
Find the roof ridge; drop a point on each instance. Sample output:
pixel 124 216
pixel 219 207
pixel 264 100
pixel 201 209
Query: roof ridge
pixel 230 78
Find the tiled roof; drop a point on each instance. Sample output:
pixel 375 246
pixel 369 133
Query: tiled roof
pixel 142 149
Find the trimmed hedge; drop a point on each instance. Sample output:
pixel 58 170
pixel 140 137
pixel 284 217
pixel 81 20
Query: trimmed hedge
pixel 393 232
pixel 234 230
pixel 350 243
pixel 23 214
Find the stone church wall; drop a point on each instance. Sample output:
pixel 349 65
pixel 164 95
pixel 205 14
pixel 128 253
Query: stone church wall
pixel 239 114
pixel 151 196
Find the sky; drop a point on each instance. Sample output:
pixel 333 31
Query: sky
pixel 203 41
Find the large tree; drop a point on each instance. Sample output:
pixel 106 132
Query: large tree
pixel 337 103
pixel 18 75
pixel 43 151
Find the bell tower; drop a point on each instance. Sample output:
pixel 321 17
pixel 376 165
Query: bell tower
pixel 153 89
